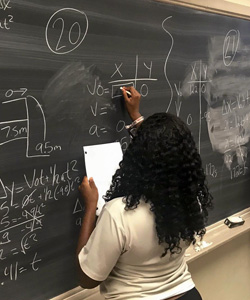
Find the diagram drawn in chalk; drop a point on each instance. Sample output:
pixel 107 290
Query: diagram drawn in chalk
pixel 31 127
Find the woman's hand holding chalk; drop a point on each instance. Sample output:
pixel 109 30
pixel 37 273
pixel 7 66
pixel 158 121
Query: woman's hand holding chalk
pixel 126 91
pixel 132 101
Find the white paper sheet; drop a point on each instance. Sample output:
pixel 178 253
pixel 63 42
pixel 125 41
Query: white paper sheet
pixel 101 162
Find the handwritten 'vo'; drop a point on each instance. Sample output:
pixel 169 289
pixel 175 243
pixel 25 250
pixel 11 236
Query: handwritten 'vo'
pixel 101 162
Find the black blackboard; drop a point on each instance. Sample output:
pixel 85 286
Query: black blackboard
pixel 61 66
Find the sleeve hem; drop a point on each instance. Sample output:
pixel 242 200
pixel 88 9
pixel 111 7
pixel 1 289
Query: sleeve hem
pixel 89 272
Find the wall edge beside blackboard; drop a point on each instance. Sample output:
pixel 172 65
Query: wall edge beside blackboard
pixel 214 6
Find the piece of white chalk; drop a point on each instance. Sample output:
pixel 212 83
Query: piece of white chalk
pixel 126 91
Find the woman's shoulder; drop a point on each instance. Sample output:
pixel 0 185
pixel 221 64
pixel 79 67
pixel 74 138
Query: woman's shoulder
pixel 118 205
pixel 115 205
pixel 128 218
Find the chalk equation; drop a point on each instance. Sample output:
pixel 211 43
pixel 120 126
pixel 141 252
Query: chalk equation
pixel 22 212
pixel 116 81
pixel 115 84
pixel 22 129
pixel 226 113
pixel 70 27
pixel 6 17
pixel 227 122
pixel 99 130
pixel 231 117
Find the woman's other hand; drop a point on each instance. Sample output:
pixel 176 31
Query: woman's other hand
pixel 132 101
pixel 89 193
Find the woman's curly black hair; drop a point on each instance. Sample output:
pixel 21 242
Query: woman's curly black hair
pixel 163 167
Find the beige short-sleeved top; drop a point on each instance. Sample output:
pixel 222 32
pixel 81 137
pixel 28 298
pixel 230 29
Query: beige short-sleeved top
pixel 123 252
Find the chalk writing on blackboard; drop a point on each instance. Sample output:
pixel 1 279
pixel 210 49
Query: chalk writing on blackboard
pixel 230 46
pixel 198 85
pixel 20 129
pixel 14 270
pixel 228 102
pixel 20 230
pixel 227 113
pixel 5 23
pixel 71 33
pixel 167 58
pixel 117 80
pixel 98 89
pixel 116 84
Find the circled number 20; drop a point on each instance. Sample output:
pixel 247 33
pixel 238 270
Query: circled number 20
pixel 66 30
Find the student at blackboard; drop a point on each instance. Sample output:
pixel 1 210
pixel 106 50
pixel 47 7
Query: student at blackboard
pixel 156 206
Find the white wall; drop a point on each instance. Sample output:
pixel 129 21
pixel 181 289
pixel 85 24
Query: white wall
pixel 224 273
